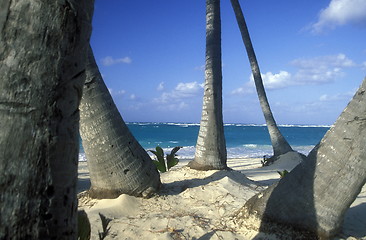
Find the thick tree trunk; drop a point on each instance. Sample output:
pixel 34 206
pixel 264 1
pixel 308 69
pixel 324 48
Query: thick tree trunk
pixel 279 143
pixel 43 46
pixel 211 146
pixel 314 197
pixel 117 162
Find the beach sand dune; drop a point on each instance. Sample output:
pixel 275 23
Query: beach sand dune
pixel 197 204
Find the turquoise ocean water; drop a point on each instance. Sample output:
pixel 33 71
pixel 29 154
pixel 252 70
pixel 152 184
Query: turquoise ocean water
pixel 242 140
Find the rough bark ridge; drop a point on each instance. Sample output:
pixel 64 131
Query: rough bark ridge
pixel 42 54
pixel 314 197
pixel 211 146
pixel 279 143
pixel 116 161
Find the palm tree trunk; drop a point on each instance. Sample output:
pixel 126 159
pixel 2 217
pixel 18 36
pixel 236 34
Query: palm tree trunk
pixel 211 147
pixel 117 162
pixel 314 197
pixel 43 46
pixel 279 143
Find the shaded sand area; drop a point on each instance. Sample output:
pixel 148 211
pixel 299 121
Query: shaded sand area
pixel 198 205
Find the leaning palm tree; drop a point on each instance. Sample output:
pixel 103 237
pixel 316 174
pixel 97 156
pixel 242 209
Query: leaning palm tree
pixel 42 66
pixel 279 143
pixel 116 161
pixel 313 198
pixel 210 148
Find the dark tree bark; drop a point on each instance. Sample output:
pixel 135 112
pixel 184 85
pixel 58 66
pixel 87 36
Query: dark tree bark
pixel 279 143
pixel 117 162
pixel 43 45
pixel 211 146
pixel 313 198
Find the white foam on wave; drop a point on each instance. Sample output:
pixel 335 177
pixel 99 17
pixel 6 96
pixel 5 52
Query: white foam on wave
pixel 250 145
pixel 245 151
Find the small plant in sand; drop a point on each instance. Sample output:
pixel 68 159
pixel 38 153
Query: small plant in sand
pixel 83 226
pixel 171 159
pixel 264 161
pixel 283 173
pixel 105 222
pixel 267 160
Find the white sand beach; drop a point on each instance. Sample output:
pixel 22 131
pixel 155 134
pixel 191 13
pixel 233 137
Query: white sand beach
pixel 198 204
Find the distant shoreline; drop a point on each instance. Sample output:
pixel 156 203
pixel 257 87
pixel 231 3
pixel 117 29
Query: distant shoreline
pixel 232 124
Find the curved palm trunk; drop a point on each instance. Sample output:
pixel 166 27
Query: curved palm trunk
pixel 117 162
pixel 42 65
pixel 279 143
pixel 314 197
pixel 211 148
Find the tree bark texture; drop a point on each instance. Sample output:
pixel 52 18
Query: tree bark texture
pixel 211 146
pixel 43 46
pixel 279 143
pixel 314 197
pixel 117 162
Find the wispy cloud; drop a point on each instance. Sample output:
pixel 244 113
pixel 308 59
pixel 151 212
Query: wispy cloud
pixel 132 96
pixel 364 65
pixel 108 61
pixel 310 71
pixel 180 97
pixel 173 106
pixel 340 12
pixel 200 68
pixel 160 86
pixel 116 93
pixel 320 70
pixel 337 97
pixel 181 91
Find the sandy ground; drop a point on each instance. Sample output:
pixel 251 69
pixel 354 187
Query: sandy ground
pixel 198 204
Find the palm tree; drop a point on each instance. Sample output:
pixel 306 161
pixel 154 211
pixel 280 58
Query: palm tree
pixel 117 162
pixel 314 197
pixel 43 46
pixel 210 148
pixel 279 143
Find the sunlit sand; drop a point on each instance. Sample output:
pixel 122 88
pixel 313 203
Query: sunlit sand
pixel 198 204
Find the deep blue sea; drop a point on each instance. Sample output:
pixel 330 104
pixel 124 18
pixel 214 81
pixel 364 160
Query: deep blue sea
pixel 242 140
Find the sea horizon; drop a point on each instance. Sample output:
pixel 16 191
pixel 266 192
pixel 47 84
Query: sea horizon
pixel 242 140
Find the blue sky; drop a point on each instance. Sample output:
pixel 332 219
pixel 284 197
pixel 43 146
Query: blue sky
pixel 312 55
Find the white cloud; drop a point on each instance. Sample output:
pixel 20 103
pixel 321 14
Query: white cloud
pixel 337 97
pixel 276 81
pixel 339 60
pixel 108 61
pixel 132 96
pixel 242 90
pixel 188 89
pixel 341 12
pixel 160 86
pixel 319 70
pixel 116 93
pixel 270 81
pixel 181 91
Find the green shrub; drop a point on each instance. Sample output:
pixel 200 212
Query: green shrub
pixel 171 159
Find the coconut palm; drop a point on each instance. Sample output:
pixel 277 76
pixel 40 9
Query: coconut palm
pixel 279 143
pixel 314 197
pixel 43 45
pixel 116 161
pixel 210 147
